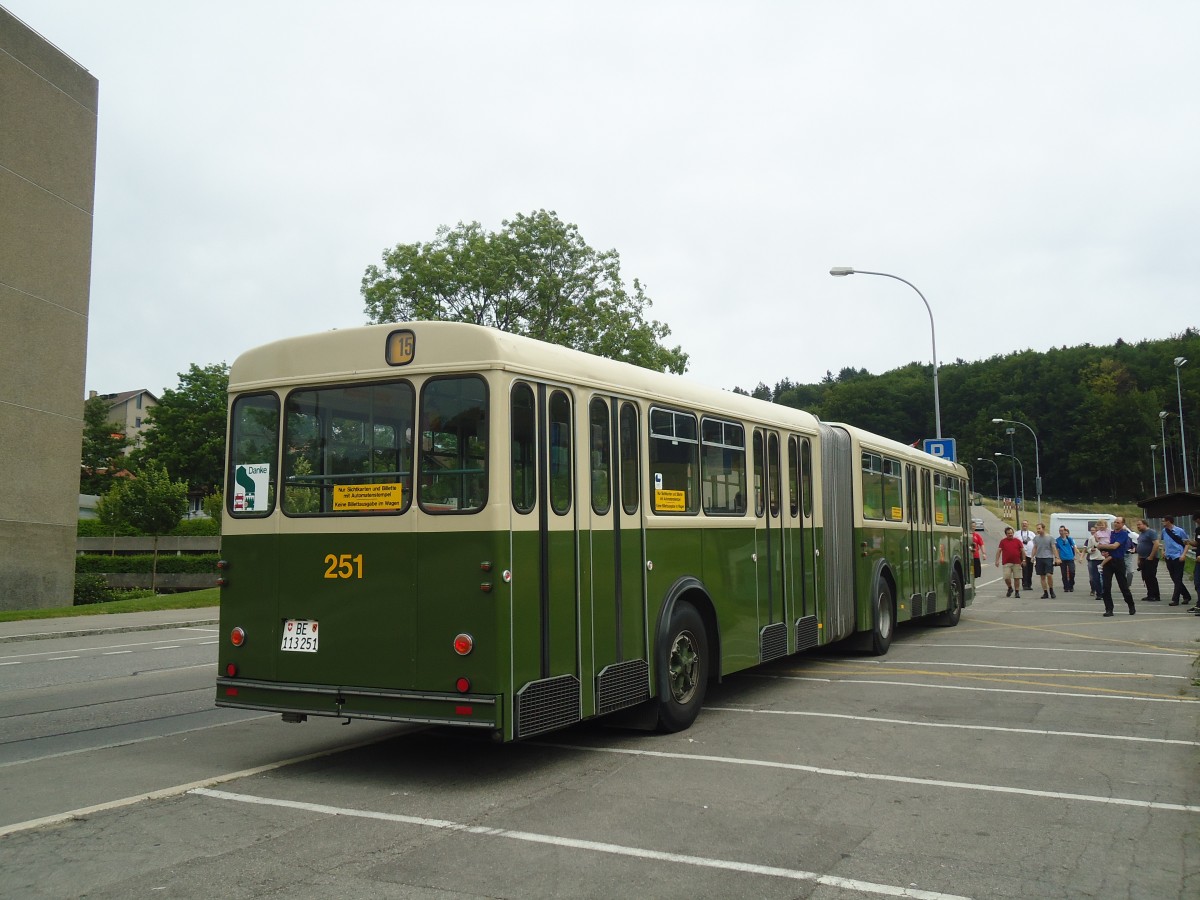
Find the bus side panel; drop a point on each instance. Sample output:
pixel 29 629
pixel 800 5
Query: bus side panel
pixel 729 573
pixel 564 604
pixel 459 596
pixel 248 601
pixel 526 638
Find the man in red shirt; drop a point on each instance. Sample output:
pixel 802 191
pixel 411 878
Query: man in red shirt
pixel 977 540
pixel 1011 553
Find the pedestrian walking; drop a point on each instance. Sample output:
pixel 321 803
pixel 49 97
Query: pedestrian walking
pixel 1148 549
pixel 1174 544
pixel 1025 536
pixel 1119 544
pixel 1064 558
pixel 1043 560
pixel 1094 558
pixel 977 542
pixel 1011 553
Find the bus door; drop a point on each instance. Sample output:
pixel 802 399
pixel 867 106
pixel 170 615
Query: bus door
pixel 769 546
pixel 545 561
pixel 800 547
pixel 619 666
pixel 924 552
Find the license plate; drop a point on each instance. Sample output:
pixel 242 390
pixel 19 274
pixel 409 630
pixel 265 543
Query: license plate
pixel 299 635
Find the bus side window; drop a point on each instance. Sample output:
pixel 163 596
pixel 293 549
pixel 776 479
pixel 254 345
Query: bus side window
pixel 523 468
pixel 600 455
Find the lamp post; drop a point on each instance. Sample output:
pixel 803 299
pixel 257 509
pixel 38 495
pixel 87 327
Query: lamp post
pixel 1037 463
pixel 997 465
pixel 1022 465
pixel 1180 362
pixel 1162 424
pixel 840 271
pixel 1154 467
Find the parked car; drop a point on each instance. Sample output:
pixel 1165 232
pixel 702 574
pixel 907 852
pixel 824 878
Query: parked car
pixel 977 524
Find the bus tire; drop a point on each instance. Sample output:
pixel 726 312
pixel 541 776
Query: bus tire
pixel 951 616
pixel 883 618
pixel 682 669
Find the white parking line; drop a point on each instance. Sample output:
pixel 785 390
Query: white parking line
pixel 983 690
pixel 850 884
pixel 1107 651
pixel 962 727
pixel 921 662
pixel 873 776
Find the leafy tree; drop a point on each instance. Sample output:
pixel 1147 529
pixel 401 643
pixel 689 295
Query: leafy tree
pixel 213 506
pixel 536 277
pixel 187 429
pixel 103 441
pixel 151 502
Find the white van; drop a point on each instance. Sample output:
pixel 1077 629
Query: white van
pixel 1078 524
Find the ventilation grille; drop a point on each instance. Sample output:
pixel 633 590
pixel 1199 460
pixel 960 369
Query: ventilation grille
pixel 806 633
pixel 621 685
pixel 546 705
pixel 772 641
pixel 917 602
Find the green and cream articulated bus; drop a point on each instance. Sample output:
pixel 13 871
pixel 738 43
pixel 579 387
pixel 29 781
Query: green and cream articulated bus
pixel 444 523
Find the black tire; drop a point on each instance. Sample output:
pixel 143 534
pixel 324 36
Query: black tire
pixel 682 669
pixel 883 619
pixel 953 613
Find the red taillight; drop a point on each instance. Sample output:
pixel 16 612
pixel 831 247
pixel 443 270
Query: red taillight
pixel 463 685
pixel 222 564
pixel 464 644
pixel 231 670
pixel 237 637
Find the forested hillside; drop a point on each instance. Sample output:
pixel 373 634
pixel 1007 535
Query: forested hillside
pixel 1095 411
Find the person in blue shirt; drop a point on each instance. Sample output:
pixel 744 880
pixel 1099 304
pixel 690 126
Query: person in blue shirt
pixel 1174 542
pixel 1120 544
pixel 1064 558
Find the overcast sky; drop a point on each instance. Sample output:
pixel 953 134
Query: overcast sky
pixel 1032 167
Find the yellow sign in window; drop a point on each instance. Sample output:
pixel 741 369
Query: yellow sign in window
pixel 367 497
pixel 670 501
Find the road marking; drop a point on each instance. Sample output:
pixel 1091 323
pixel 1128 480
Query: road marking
pixel 866 887
pixel 98 649
pixel 168 647
pixel 1113 695
pixel 896 647
pixel 872 776
pixel 15 662
pixel 921 662
pixel 116 652
pixel 179 789
pixel 1084 637
pixel 60 658
pixel 951 725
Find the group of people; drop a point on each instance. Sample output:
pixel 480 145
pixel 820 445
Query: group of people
pixel 1112 553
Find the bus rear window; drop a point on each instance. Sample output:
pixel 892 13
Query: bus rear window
pixel 348 450
pixel 454 441
pixel 253 452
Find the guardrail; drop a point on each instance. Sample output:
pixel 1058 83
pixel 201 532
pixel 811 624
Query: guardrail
pixel 170 544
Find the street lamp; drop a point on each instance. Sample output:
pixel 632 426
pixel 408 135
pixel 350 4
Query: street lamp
pixel 840 271
pixel 1037 462
pixel 1162 425
pixel 1022 465
pixel 1154 467
pixel 997 465
pixel 1180 362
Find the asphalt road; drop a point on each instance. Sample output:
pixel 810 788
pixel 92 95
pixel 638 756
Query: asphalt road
pixel 1036 750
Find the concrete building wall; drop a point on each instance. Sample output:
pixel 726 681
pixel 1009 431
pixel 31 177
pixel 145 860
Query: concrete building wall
pixel 48 107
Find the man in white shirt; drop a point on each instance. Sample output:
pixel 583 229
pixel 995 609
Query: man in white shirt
pixel 1025 536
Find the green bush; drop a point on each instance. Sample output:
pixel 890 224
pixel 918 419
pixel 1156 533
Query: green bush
pixel 91 589
pixel 96 528
pixel 197 528
pixel 199 564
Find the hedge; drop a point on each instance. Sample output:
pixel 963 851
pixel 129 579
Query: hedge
pixel 186 528
pixel 199 564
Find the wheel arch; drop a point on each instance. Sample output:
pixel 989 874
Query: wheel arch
pixel 689 589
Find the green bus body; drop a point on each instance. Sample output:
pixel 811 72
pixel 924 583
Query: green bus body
pixel 497 533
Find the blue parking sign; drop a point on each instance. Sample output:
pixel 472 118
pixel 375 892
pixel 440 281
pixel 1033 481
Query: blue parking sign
pixel 941 447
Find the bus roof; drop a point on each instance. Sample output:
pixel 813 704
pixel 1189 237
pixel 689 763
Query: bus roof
pixel 357 354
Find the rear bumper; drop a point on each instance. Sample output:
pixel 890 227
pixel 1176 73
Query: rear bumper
pixel 346 702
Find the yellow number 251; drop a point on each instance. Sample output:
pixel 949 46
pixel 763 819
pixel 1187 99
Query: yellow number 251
pixel 344 566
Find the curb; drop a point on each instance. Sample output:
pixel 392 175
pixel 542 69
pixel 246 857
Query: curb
pixel 116 629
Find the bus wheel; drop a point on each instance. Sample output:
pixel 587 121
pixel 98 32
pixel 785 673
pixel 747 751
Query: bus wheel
pixel 951 616
pixel 883 619
pixel 682 669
